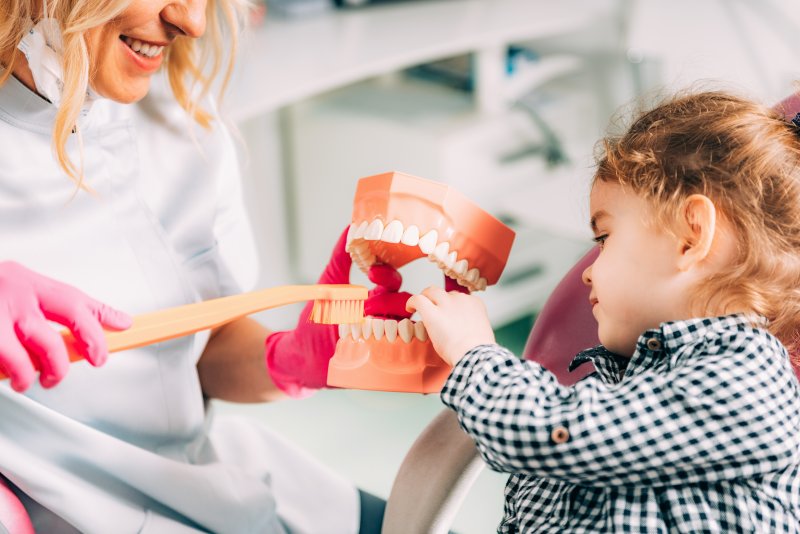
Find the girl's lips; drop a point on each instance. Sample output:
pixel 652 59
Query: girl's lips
pixel 147 64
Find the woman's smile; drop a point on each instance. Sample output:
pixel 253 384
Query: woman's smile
pixel 145 55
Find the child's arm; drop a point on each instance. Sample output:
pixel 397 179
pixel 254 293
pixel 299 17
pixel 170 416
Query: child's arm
pixel 721 415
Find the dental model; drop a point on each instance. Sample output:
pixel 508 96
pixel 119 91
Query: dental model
pixel 398 218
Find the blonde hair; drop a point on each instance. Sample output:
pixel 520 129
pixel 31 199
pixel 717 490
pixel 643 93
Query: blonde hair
pixel 746 159
pixel 190 63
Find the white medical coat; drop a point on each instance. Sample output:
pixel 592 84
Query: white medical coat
pixel 130 446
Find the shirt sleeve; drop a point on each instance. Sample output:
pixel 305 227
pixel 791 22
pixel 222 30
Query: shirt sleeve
pixel 715 417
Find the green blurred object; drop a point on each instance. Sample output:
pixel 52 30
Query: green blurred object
pixel 514 334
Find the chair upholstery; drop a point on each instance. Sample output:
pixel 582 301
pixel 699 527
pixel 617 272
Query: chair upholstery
pixel 442 464
pixel 13 517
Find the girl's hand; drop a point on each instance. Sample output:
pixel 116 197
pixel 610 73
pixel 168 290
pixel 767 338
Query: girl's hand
pixel 456 322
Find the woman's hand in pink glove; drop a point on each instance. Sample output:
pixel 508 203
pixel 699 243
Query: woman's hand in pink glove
pixel 28 342
pixel 297 359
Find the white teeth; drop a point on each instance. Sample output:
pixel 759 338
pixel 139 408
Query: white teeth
pixel 420 332
pixel 410 236
pixel 145 49
pixel 370 327
pixel 374 231
pixel 393 232
pixel 377 328
pixel 359 235
pixel 390 329
pixel 450 260
pixel 427 243
pixel 406 330
pixel 366 328
pixel 350 232
pixel 440 252
pixel 360 230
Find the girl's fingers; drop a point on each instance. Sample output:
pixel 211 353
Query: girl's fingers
pixel 434 294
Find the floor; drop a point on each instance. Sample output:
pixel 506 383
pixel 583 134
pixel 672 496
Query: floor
pixel 364 435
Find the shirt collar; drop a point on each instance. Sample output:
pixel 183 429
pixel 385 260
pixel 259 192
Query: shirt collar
pixel 25 109
pixel 653 345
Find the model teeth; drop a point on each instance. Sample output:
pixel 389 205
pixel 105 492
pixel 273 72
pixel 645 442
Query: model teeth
pixel 142 48
pixel 393 233
pixel 438 252
pixel 372 327
pixel 427 243
pixel 410 236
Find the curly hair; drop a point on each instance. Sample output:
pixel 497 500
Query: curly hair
pixel 745 158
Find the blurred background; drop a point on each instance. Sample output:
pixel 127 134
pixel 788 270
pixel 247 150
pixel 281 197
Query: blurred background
pixel 502 99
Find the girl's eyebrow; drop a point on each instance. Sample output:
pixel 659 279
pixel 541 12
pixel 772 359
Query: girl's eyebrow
pixel 599 214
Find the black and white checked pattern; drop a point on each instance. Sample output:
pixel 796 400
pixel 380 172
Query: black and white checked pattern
pixel 701 433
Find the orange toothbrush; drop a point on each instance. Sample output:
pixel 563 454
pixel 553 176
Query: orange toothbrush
pixel 333 304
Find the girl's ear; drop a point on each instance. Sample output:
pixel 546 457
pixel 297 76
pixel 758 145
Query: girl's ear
pixel 696 231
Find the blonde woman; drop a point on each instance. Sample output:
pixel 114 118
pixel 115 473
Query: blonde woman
pixel 119 191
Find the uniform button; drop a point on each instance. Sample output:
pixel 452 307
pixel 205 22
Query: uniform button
pixel 559 435
pixel 653 344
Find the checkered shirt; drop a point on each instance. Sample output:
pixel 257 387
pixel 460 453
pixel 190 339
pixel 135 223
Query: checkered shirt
pixel 700 432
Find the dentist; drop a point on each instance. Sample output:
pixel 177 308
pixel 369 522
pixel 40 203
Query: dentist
pixel 119 190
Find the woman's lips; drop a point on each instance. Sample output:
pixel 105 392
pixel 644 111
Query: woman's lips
pixel 148 64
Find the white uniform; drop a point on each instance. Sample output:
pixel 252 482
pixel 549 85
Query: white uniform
pixel 130 447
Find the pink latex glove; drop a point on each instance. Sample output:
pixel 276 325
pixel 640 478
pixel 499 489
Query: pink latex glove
pixel 28 342
pixel 297 359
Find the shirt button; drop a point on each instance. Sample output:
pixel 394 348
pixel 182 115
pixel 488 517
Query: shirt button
pixel 559 435
pixel 653 344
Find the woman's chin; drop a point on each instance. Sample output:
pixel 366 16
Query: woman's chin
pixel 125 92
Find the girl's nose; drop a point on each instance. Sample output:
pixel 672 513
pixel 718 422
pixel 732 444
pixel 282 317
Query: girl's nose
pixel 188 17
pixel 587 275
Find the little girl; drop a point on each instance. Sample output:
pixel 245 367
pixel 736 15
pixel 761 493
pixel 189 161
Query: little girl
pixel 691 422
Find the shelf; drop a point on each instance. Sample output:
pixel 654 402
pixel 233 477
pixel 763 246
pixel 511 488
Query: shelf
pixel 288 60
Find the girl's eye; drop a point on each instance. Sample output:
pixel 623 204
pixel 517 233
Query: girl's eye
pixel 601 240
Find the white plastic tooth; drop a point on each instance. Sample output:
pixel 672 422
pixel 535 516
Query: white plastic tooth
pixel 361 229
pixel 427 243
pixel 450 261
pixel 440 252
pixel 344 330
pixel 410 236
pixel 420 332
pixel 355 331
pixel 366 328
pixel 405 329
pixel 350 232
pixel 374 231
pixel 390 329
pixel 393 232
pixel 377 328
pixel 481 284
pixel 460 267
pixel 473 275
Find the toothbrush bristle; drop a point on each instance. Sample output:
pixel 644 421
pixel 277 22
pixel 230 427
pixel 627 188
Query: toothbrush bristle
pixel 337 311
